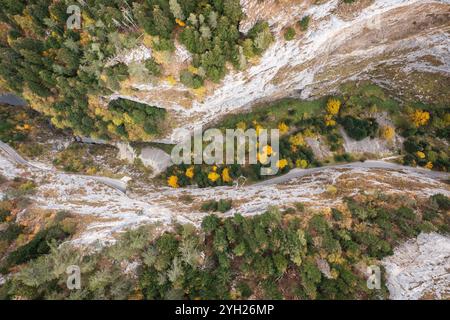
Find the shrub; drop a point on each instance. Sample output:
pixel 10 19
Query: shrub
pixel 412 146
pixel 304 23
pixel 191 80
pixel 216 206
pixel 337 215
pixel 4 214
pixel 244 289
pixel 153 67
pixel 299 206
pixel 289 34
pixel 37 246
pixel 359 129
pixel 442 201
pixel 11 232
pixel 209 206
pixel 224 205
pixel 210 223
pixel 261 36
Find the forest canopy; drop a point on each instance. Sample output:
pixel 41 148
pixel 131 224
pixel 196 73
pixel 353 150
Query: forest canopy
pixel 62 72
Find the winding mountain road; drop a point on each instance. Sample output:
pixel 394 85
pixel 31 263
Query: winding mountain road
pixel 121 186
pixel 371 164
pixel 116 184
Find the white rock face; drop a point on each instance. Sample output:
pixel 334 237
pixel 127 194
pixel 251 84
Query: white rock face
pixel 377 145
pixel 320 149
pixel 367 145
pixel 103 211
pixel 331 52
pixel 419 267
pixel 138 54
pixel 156 159
pixel 126 152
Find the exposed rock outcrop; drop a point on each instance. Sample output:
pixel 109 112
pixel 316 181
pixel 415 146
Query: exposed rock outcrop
pixel 399 44
pixel 420 268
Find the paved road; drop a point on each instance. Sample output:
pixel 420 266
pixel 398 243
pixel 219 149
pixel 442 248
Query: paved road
pixel 296 173
pixel 14 156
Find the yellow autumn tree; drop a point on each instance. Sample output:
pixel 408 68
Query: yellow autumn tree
pixel 180 22
pixel 226 175
pixel 267 150
pixel 213 176
pixel 388 133
pixel 420 118
pixel 333 106
pixel 173 182
pixel 283 163
pixel 190 172
pixel 283 127
pixel 420 155
pixel 297 140
pixel 301 163
pixel 329 121
pixel 171 80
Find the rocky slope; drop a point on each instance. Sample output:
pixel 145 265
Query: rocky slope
pixel 420 269
pixel 392 42
pixel 104 211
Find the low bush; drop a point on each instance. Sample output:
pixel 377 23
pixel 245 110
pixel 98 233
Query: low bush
pixel 11 232
pixel 39 245
pixel 216 206
pixel 359 129
pixel 191 80
pixel 304 23
pixel 289 34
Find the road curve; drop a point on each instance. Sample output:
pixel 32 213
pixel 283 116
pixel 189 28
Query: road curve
pixel 116 184
pixel 295 173
pixel 371 164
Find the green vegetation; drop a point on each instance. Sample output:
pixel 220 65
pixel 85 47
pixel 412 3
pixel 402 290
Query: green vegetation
pixel 359 129
pixel 11 127
pixel 289 34
pixel 216 206
pixel 22 128
pixel 39 245
pixel 24 240
pixel 304 23
pixel 98 160
pixel 191 80
pixel 74 159
pixel 11 233
pixel 61 71
pixel 425 128
pixel 271 256
pixel 153 67
pixel 135 113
